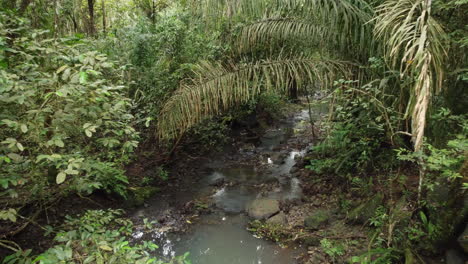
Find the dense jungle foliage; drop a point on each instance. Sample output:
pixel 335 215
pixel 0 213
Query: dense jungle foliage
pixel 87 86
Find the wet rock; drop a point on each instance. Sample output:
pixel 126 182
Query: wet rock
pixel 453 256
pixel 463 239
pixel 297 174
pixel 218 182
pixel 278 219
pixel 248 147
pixel 366 210
pixel 297 157
pixel 317 220
pixel 263 208
pixel 294 170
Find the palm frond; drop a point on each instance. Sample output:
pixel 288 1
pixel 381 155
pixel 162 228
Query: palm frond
pixel 264 31
pixel 218 87
pixel 414 42
pixel 336 12
pixel 338 25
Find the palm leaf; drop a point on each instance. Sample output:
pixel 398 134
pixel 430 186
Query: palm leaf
pixel 218 87
pixel 280 29
pixel 414 42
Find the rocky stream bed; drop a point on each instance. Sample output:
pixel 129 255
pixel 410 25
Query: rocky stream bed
pixel 254 202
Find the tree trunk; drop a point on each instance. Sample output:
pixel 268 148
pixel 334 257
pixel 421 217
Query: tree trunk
pixel 103 16
pixel 153 12
pixel 91 17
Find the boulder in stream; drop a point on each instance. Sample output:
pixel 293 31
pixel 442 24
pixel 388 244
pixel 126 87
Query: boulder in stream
pixel 260 209
pixel 317 220
pixel 278 219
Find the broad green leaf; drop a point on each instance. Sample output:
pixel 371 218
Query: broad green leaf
pixel 61 177
pixel 15 157
pixel 19 146
pixel 59 143
pixel 71 172
pixel 66 74
pixel 61 69
pixel 24 128
pixel 105 247
pixel 83 77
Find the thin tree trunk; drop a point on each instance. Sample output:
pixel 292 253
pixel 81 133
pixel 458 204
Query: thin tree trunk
pixel 75 24
pixel 91 17
pixel 103 16
pixel 153 12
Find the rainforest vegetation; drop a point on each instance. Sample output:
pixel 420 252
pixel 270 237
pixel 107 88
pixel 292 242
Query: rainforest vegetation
pixel 88 88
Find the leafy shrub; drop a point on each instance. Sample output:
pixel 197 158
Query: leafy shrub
pixel 96 237
pixel 159 55
pixel 272 104
pixel 63 118
pixel 360 139
pixel 210 134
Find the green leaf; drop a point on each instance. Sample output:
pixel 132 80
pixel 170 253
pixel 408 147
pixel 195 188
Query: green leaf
pixel 12 217
pixel 19 146
pixel 71 172
pixel 105 248
pixel 61 177
pixel 66 74
pixel 83 77
pixel 15 157
pixel 59 143
pixel 61 69
pixel 24 128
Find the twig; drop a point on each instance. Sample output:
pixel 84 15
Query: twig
pixel 4 243
pixel 90 200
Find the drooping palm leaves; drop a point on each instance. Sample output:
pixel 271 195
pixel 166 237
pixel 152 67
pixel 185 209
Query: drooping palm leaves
pixel 414 43
pixel 284 28
pixel 218 87
pixel 335 23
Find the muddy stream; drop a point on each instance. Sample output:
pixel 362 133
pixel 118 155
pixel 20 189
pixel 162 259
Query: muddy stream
pixel 221 235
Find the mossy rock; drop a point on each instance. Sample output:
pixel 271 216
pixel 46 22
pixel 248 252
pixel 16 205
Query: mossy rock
pixel 363 212
pixel 311 241
pixel 317 220
pixel 263 208
pixel 138 195
pixel 278 219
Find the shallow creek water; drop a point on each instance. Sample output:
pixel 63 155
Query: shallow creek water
pixel 221 237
